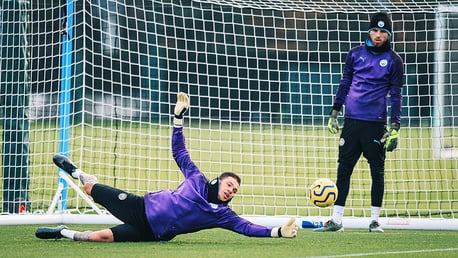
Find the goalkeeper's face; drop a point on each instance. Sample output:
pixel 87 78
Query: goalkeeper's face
pixel 228 187
pixel 378 37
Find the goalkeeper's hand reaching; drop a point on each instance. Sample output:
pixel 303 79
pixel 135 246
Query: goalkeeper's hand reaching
pixel 289 230
pixel 333 124
pixel 181 106
pixel 390 138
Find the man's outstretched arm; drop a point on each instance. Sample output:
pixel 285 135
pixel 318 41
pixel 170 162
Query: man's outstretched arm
pixel 180 153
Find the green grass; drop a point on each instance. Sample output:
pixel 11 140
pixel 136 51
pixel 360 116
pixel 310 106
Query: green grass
pixel 19 241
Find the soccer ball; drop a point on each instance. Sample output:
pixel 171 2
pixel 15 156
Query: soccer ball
pixel 323 192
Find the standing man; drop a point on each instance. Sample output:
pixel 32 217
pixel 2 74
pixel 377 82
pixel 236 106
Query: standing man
pixel 373 72
pixel 197 203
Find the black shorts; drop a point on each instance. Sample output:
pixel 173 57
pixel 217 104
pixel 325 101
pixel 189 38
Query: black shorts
pixel 128 208
pixel 362 137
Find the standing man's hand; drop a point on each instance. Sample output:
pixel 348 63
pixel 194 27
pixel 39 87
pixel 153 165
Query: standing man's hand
pixel 390 138
pixel 180 108
pixel 333 124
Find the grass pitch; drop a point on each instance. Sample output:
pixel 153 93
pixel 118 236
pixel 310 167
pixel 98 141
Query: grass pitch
pixel 20 241
pixel 413 182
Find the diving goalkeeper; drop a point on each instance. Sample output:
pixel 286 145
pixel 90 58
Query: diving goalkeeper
pixel 197 203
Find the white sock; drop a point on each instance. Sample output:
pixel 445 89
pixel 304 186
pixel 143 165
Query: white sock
pixel 67 233
pixel 337 215
pixel 375 211
pixel 86 178
pixel 77 173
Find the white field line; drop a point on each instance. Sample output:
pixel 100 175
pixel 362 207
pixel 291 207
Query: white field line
pixel 390 252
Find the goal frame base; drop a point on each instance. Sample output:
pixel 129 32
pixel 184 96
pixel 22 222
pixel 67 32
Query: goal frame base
pixel 269 221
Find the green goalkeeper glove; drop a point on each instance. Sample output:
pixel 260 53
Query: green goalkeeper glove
pixel 181 106
pixel 289 230
pixel 333 124
pixel 390 138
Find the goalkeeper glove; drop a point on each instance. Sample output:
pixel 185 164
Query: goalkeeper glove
pixel 289 230
pixel 333 124
pixel 390 138
pixel 181 106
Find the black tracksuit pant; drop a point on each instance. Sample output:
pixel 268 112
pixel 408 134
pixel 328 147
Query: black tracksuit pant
pixel 361 137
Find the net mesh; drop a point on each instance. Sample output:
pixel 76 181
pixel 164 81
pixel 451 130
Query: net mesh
pixel 261 76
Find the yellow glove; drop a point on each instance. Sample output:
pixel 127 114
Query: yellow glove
pixel 289 230
pixel 390 138
pixel 181 106
pixel 333 124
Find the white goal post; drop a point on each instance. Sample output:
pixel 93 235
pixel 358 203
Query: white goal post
pixel 446 92
pixel 102 78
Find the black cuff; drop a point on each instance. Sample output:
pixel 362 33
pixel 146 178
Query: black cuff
pixel 279 232
pixel 337 107
pixel 395 126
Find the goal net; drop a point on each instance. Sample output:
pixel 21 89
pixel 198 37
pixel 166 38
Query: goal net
pixel 99 80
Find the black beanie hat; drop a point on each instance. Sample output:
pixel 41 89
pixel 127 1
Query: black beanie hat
pixel 380 21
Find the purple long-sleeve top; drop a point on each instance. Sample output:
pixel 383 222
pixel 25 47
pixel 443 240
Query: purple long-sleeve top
pixel 367 81
pixel 186 209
